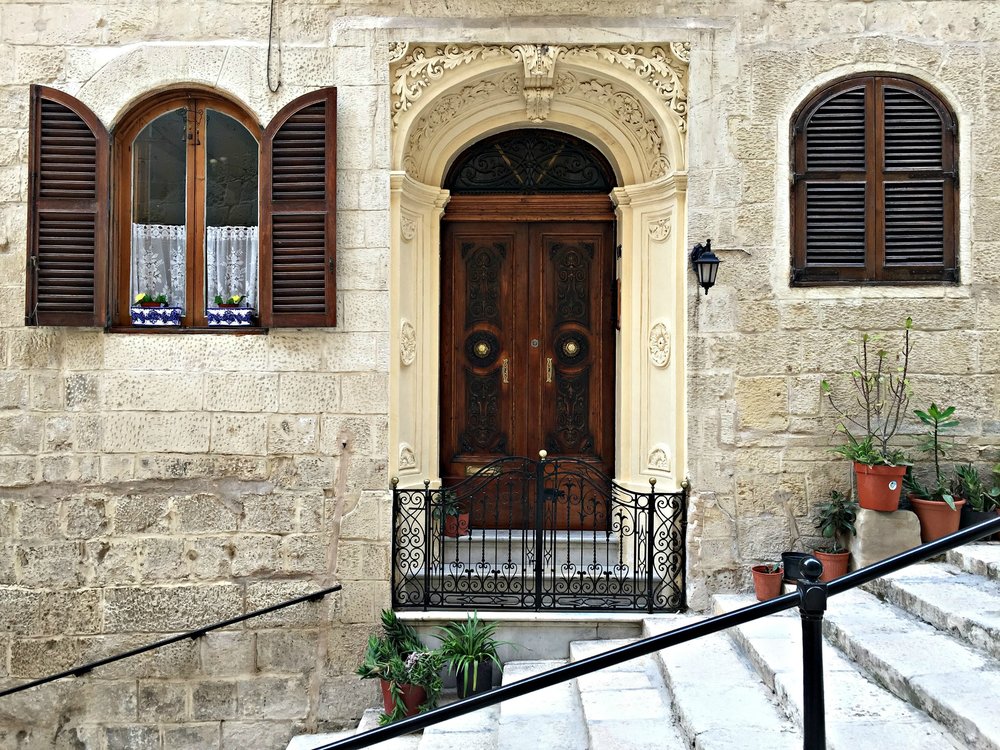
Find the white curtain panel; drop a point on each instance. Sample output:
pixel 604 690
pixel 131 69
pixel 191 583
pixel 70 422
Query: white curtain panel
pixel 231 257
pixel 159 258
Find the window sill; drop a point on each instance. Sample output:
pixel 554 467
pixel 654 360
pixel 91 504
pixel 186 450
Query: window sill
pixel 227 330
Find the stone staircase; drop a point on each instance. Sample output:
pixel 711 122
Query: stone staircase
pixel 911 662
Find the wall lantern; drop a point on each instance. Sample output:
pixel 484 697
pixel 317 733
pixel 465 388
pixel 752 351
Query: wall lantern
pixel 705 264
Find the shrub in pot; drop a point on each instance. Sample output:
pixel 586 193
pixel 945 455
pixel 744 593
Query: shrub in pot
pixel 882 393
pixel 455 521
pixel 766 581
pixel 981 503
pixel 932 500
pixel 410 673
pixel 470 651
pixel 835 520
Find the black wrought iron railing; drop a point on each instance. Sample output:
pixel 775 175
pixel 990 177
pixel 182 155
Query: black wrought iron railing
pixel 546 534
pixel 83 669
pixel 811 598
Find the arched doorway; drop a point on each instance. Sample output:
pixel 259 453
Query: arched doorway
pixel 528 309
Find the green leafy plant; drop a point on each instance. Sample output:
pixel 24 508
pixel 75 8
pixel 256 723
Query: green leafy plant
pixel 938 422
pixel 969 484
pixel 882 394
pixel 770 567
pixel 836 519
pixel 450 505
pixel 232 300
pixel 465 644
pixel 399 657
pixel 149 298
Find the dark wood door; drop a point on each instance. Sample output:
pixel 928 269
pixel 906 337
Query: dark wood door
pixel 527 349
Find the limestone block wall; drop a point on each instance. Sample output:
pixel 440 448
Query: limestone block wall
pixel 150 483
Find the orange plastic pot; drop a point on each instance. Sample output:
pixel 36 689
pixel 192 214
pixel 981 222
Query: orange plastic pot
pixel 766 585
pixel 937 519
pixel 835 564
pixel 879 486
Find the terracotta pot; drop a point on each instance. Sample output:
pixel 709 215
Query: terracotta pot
pixel 413 697
pixel 766 585
pixel 456 525
pixel 879 486
pixel 937 519
pixel 835 564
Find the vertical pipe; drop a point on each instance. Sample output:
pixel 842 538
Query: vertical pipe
pixel 812 604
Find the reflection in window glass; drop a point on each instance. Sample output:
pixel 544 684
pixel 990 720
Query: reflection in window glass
pixel 159 197
pixel 231 187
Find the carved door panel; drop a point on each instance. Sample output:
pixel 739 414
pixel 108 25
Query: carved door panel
pixel 527 350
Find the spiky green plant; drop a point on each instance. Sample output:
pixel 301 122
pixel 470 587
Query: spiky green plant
pixel 465 644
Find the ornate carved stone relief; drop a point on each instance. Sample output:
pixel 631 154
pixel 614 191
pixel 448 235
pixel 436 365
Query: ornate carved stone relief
pixel 663 69
pixel 407 227
pixel 659 458
pixel 407 343
pixel 659 345
pixel 407 458
pixel 659 230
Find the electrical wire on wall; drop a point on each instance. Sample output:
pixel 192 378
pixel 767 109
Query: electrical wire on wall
pixel 273 51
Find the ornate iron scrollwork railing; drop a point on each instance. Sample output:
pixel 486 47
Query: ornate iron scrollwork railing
pixel 549 534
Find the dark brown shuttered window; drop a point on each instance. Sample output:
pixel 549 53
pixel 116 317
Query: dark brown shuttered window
pixel 81 269
pixel 875 191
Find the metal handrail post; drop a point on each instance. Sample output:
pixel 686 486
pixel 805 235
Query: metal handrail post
pixel 812 605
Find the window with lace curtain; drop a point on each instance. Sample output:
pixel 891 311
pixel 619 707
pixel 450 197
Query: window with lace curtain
pixel 205 204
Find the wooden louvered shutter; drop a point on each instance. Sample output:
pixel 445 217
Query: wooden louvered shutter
pixel 68 204
pixel 298 269
pixel 874 196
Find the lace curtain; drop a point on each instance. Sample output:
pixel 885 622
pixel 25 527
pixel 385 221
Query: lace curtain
pixel 231 260
pixel 159 259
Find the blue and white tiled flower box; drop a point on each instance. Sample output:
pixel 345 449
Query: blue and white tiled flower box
pixel 155 316
pixel 230 316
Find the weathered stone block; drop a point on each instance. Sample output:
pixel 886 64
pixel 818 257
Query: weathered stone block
pixel 240 434
pixel 140 513
pixel 178 432
pixel 13 390
pixel 273 698
pixel 255 555
pixel 309 393
pixel 153 391
pixel 164 701
pixel 881 535
pixel 155 609
pixel 287 651
pixel 762 403
pixel 207 513
pixel 228 654
pixel 294 435
pixel 213 701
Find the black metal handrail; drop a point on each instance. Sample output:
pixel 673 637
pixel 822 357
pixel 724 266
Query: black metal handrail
pixel 315 596
pixel 811 598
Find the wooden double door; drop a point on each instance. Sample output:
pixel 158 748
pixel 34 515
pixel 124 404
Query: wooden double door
pixel 528 324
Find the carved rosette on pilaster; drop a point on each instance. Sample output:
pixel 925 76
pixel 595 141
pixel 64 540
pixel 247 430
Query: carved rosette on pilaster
pixel 659 345
pixel 407 343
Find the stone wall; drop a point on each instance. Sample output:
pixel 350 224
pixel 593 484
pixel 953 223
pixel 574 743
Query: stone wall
pixel 152 483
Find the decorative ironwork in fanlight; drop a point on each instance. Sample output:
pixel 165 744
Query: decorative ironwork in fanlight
pixel 631 559
pixel 530 162
pixel 482 285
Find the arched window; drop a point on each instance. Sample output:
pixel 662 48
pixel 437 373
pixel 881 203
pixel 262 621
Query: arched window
pixel 203 204
pixel 875 195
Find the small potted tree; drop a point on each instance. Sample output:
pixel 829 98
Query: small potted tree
pixel 767 579
pixel 835 520
pixel 882 390
pixel 470 651
pixel 937 508
pixel 410 674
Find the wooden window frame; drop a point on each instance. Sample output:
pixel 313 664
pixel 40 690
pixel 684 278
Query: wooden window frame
pixel 875 177
pixel 195 101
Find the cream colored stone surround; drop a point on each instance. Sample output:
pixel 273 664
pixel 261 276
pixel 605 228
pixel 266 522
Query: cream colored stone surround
pixel 629 101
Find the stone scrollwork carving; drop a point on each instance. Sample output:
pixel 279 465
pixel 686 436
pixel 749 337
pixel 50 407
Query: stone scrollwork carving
pixel 659 230
pixel 681 50
pixel 659 457
pixel 659 345
pixel 397 51
pixel 407 227
pixel 407 343
pixel 539 70
pixel 407 458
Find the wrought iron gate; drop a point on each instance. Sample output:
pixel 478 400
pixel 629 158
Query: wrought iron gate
pixel 552 534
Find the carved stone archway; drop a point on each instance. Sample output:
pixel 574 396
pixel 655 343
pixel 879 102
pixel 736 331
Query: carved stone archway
pixel 630 102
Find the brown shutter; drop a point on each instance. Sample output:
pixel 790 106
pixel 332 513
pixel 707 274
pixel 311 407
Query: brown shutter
pixel 298 270
pixel 68 204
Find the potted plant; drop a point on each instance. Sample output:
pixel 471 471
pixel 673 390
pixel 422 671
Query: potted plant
pixel 148 309
pixel 767 581
pixel 835 520
pixel 883 394
pixel 470 651
pixel 981 503
pixel 937 508
pixel 455 519
pixel 410 674
pixel 230 311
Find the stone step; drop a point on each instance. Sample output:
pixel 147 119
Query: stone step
pixel 551 718
pixel 368 721
pixel 718 699
pixel 475 731
pixel 625 706
pixel 859 713
pixel 499 547
pixel 981 559
pixel 963 604
pixel 953 682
